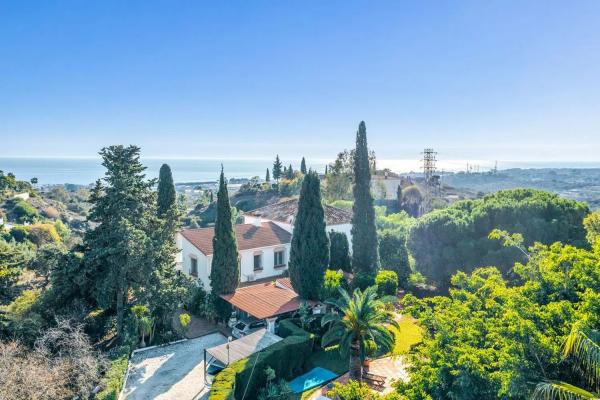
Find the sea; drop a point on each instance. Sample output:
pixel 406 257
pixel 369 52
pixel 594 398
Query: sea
pixel 84 171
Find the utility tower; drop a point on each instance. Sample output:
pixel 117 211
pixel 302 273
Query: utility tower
pixel 432 184
pixel 429 160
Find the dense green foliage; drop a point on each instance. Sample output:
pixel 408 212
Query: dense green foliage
pixel 339 251
pixel 394 255
pixel 334 280
pixel 13 258
pixel 364 233
pixel 119 255
pixel 492 340
pixel 244 376
pixel 309 256
pixel 387 283
pixel 592 227
pixel 166 191
pixel 360 324
pixel 583 348
pixel 225 268
pixel 456 238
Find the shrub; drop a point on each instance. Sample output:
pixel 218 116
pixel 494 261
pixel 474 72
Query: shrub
pixel 393 254
pixel 288 328
pixel 114 378
pixel 24 212
pixel 333 281
pixel 363 280
pixel 353 390
pixel 387 283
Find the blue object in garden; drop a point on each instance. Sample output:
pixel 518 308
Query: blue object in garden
pixel 313 378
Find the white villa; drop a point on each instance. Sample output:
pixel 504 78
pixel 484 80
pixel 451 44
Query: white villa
pixel 264 242
pixel 284 213
pixel 264 249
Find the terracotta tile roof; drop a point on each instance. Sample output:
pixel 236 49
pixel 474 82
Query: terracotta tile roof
pixel 287 210
pixel 249 236
pixel 264 300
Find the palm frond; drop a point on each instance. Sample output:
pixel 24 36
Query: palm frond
pixel 553 390
pixel 584 350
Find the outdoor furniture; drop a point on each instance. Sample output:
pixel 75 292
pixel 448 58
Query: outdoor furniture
pixel 376 381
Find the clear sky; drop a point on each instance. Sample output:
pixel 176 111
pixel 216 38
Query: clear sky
pixel 508 80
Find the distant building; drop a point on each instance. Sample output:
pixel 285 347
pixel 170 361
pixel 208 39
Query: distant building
pixel 283 214
pixel 264 249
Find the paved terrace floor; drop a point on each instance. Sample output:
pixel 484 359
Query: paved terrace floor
pixel 170 372
pixel 392 368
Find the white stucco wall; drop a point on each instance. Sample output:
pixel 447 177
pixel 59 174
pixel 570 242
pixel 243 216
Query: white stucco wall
pixel 268 262
pixel 188 251
pixel 247 273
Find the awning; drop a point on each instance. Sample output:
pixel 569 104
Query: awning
pixel 243 347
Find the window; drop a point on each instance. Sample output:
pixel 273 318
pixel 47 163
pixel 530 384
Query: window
pixel 194 266
pixel 257 262
pixel 279 260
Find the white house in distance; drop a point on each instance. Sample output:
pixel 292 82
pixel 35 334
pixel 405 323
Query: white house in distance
pixel 264 249
pixel 284 213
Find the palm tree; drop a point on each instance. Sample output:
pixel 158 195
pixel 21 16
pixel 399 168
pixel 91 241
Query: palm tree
pixel 359 323
pixel 584 347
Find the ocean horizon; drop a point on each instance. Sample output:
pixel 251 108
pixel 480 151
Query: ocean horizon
pixel 86 170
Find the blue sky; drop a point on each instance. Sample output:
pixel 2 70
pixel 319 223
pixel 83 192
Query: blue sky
pixel 508 80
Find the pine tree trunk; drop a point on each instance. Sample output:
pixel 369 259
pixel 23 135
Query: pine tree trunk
pixel 120 311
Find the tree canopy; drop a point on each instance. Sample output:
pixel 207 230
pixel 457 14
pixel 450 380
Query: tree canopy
pixel 492 340
pixel 456 238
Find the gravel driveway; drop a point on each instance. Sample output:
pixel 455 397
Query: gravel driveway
pixel 172 372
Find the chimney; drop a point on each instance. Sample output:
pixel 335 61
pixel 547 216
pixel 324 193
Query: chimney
pixel 257 221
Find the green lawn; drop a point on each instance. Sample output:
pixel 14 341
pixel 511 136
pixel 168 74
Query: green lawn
pixel 410 334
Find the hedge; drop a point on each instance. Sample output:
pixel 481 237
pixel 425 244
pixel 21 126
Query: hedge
pixel 287 328
pixel 231 383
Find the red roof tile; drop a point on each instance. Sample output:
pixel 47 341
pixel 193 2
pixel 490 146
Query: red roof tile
pixel 285 210
pixel 264 300
pixel 249 236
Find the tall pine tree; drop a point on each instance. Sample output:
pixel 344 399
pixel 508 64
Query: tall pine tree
pixel 119 252
pixel 277 169
pixel 364 234
pixel 303 166
pixel 225 267
pixel 309 256
pixel 166 190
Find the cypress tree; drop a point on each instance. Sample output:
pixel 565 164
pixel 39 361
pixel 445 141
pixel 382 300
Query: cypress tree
pixel 268 176
pixel 309 256
pixel 339 252
pixel 290 172
pixel 364 233
pixel 166 190
pixel 303 166
pixel 277 168
pixel 225 267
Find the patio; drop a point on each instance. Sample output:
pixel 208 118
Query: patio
pixel 393 366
